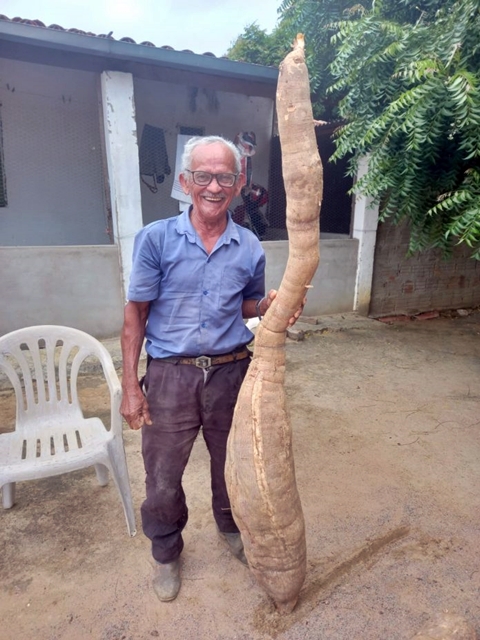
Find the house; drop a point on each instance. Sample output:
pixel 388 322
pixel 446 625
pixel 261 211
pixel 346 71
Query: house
pixel 75 111
pixel 91 129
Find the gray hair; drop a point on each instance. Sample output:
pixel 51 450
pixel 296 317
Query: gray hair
pixel 199 141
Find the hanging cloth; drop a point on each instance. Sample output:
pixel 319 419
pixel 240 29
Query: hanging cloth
pixel 153 157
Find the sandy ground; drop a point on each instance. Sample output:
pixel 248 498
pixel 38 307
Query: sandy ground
pixel 385 420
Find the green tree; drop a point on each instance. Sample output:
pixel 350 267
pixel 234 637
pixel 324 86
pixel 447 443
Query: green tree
pixel 405 75
pixel 317 20
pixel 255 45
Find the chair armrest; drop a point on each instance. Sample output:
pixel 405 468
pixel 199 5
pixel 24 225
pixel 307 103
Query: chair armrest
pixel 114 387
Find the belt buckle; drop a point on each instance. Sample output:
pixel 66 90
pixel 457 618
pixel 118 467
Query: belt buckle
pixel 203 362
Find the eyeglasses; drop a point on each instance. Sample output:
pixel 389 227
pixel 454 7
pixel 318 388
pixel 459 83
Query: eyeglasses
pixel 203 178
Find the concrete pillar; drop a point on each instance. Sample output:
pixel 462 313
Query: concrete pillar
pixel 121 150
pixel 365 222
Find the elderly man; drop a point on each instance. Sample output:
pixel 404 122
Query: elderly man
pixel 195 277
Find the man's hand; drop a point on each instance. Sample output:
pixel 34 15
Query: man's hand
pixel 270 297
pixel 134 408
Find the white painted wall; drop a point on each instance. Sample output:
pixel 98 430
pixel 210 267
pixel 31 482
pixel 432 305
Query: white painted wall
pixel 53 162
pixel 73 286
pixel 121 149
pixel 168 106
pixel 365 223
pixel 334 281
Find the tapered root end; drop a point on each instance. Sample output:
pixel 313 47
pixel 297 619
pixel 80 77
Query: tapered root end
pixel 284 608
pixel 299 42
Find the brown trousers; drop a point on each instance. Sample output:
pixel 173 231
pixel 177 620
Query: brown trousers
pixel 182 398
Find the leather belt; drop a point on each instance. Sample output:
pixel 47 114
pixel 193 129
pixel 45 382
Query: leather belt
pixel 205 362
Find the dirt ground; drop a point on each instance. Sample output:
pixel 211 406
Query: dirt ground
pixel 385 420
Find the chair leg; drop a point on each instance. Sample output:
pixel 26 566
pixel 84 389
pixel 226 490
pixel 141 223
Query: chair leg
pixel 8 495
pixel 102 474
pixel 116 454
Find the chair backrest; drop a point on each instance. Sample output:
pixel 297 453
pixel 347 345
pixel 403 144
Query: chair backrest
pixel 42 363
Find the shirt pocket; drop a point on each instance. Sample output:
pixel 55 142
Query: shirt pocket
pixel 234 280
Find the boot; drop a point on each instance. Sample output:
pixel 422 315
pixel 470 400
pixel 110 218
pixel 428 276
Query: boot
pixel 235 545
pixel 166 582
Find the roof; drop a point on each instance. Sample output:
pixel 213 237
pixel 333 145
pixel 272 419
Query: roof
pixel 57 27
pixel 32 40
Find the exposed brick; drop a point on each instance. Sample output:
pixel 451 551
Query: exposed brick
pixel 411 285
pixel 427 315
pixel 393 319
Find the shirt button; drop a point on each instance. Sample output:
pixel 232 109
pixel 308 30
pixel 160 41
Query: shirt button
pixel 205 293
pixel 203 325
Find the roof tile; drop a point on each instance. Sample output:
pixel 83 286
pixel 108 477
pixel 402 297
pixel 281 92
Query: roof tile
pixel 57 27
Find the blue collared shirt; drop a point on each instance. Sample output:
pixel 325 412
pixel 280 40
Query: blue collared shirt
pixel 196 299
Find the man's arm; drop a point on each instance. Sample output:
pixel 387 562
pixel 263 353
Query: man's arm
pixel 249 307
pixel 134 406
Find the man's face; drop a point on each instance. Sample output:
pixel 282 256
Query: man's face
pixel 211 202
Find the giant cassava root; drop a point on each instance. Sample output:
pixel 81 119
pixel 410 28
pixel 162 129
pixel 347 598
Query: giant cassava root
pixel 260 470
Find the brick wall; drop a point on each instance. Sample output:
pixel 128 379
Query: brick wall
pixel 423 282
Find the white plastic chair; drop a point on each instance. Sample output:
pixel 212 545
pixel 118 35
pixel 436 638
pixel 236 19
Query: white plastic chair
pixel 51 434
